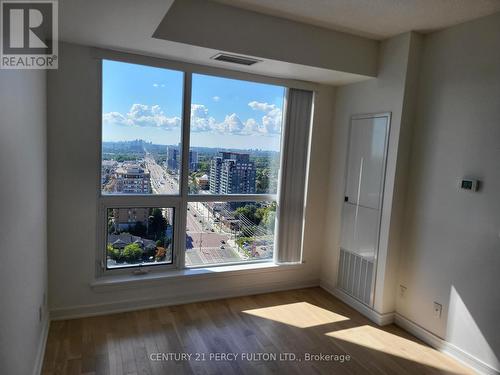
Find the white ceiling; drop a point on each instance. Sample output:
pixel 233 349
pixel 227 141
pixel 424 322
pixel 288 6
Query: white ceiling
pixel 128 25
pixel 378 19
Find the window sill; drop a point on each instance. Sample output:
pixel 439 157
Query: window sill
pixel 124 281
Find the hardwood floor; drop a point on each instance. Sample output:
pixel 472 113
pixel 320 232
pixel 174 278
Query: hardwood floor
pixel 299 322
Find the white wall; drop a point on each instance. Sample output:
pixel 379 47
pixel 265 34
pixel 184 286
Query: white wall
pixel 386 93
pixel 441 243
pixel 23 265
pixel 451 247
pixel 73 167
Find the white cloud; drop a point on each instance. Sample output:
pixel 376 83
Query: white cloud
pixel 231 124
pixel 141 115
pixel 200 120
pixel 158 85
pixel 271 120
pixel 216 98
pixel 259 106
pixel 270 123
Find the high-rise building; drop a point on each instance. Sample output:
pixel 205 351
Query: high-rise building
pixel 132 179
pixel 215 172
pixel 174 159
pixel 232 173
pixel 193 161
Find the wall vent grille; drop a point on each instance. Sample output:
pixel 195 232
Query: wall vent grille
pixel 355 276
pixel 235 59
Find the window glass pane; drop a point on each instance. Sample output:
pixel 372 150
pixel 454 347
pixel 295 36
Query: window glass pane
pixel 229 232
pixel 139 236
pixel 141 129
pixel 235 136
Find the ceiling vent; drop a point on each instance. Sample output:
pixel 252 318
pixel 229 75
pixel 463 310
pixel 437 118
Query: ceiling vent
pixel 235 59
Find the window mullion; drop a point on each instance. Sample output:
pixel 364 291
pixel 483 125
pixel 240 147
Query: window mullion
pixel 184 188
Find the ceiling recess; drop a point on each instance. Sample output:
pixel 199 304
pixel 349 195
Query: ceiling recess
pixel 235 59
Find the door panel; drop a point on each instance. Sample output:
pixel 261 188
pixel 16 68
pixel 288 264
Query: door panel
pixel 365 168
pixel 362 207
pixel 360 230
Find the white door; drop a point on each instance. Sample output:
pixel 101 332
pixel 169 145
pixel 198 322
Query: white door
pixel 362 206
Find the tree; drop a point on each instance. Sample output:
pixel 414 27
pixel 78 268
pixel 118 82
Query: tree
pixel 160 254
pixel 268 215
pixel 262 180
pixel 157 224
pixel 139 230
pixel 270 219
pixel 204 166
pixel 111 226
pixel 132 253
pixel 193 184
pixel 114 254
pixel 248 212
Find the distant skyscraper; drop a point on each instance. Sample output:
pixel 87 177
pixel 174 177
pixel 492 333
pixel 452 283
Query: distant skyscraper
pixel 193 161
pixel 174 159
pixel 232 173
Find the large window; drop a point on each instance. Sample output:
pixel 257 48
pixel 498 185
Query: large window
pixel 228 232
pixel 141 129
pixel 187 193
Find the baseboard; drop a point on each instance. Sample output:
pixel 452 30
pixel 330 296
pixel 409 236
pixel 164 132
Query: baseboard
pixel 444 346
pixel 83 311
pixel 413 328
pixel 37 370
pixel 374 316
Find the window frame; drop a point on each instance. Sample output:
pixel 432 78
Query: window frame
pixel 179 201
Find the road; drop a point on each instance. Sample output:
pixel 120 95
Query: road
pixel 203 246
pixel 161 181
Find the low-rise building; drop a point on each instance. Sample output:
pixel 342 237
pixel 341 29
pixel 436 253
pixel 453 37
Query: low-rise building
pixel 203 182
pixel 124 218
pixel 107 169
pixel 132 179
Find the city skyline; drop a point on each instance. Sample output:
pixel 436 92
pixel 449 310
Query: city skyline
pixel 142 102
pixel 194 147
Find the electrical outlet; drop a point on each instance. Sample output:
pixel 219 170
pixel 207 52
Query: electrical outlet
pixel 402 291
pixel 438 309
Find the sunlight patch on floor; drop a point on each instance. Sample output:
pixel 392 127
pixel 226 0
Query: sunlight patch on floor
pixel 388 343
pixel 299 314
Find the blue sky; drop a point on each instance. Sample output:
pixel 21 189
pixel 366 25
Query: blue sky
pixel 142 102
